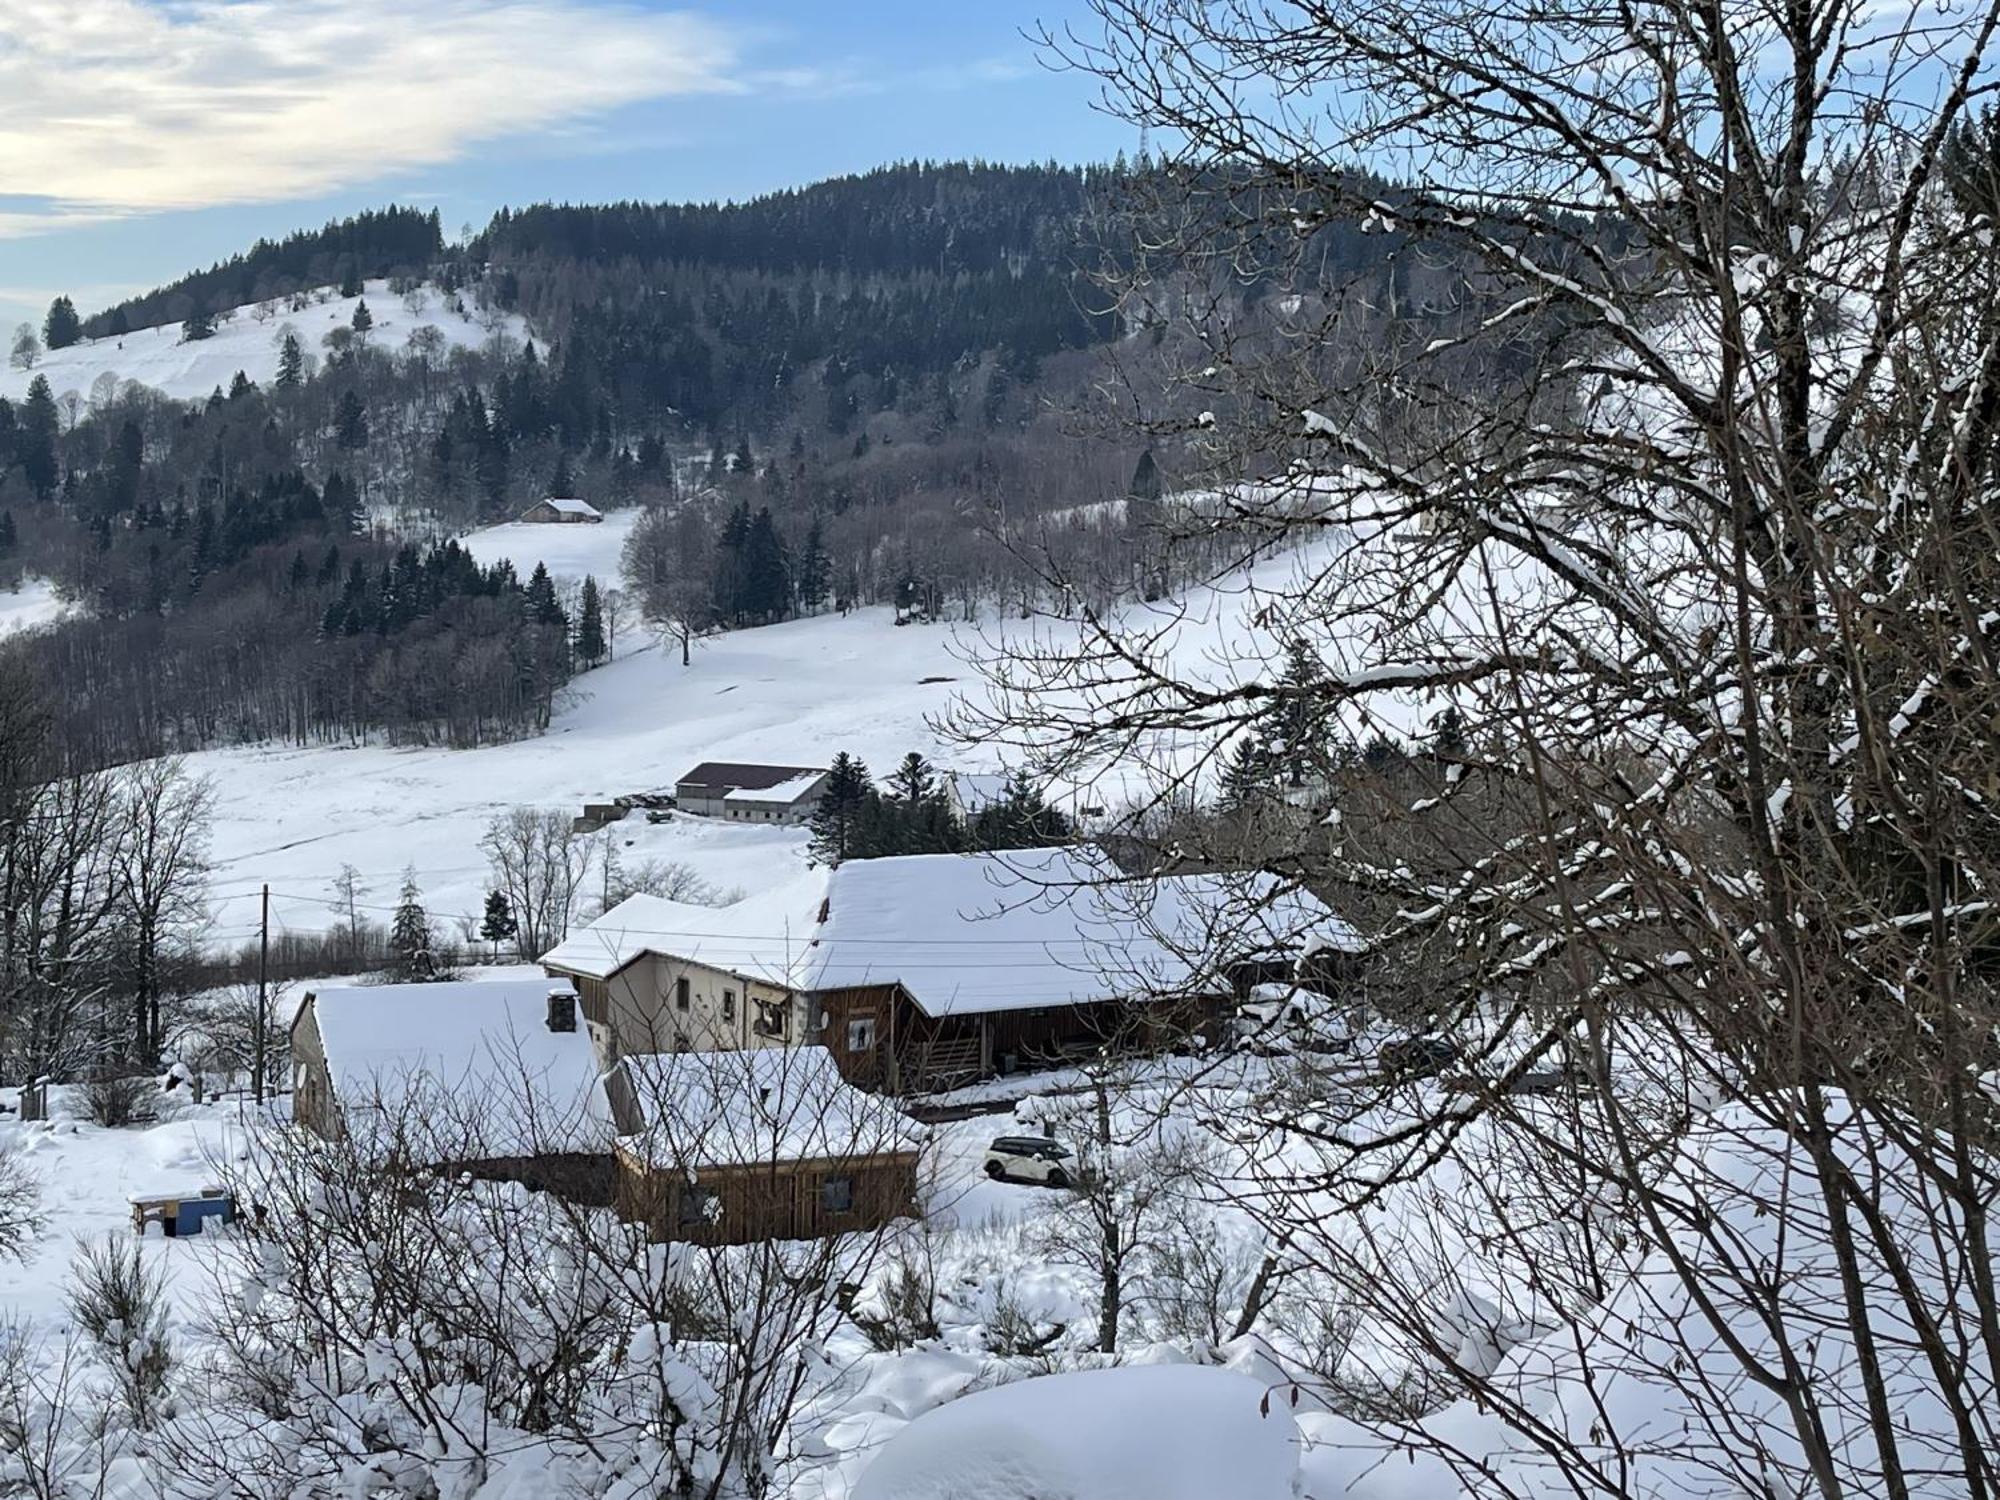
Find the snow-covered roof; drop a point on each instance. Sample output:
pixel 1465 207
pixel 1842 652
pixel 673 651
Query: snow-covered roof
pixel 968 933
pixel 762 1105
pixel 787 791
pixel 760 937
pixel 485 1045
pixel 570 507
pixel 978 790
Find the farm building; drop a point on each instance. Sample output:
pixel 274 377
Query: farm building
pixel 561 510
pixel 750 793
pixel 932 970
pixel 767 1144
pixel 664 976
pixel 492 1078
pixel 926 971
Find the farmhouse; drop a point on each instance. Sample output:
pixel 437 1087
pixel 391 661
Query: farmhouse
pixel 560 510
pixel 933 970
pixel 766 1144
pixel 492 1078
pixel 750 793
pixel 664 976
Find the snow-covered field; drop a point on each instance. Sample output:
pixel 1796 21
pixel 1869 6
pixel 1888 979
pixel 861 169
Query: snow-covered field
pixel 30 605
pixel 794 693
pixel 247 341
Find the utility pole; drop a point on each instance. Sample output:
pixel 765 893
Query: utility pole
pixel 263 984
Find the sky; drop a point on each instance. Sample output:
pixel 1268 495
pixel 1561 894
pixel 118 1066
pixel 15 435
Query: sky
pixel 140 139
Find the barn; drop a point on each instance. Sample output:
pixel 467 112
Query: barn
pixel 562 511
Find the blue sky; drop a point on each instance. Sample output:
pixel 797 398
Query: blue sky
pixel 142 138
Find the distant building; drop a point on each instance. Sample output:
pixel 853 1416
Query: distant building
pixel 737 1146
pixel 751 793
pixel 497 1079
pixel 554 508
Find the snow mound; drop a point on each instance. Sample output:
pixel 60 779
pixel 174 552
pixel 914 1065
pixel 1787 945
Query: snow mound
pixel 249 340
pixel 1155 1432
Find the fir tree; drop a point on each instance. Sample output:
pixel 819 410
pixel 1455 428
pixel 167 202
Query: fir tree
pixel 410 933
pixel 363 318
pixel 1020 819
pixel 291 363
pixel 815 572
pixel 350 280
pixel 61 327
pixel 35 440
pixel 543 606
pixel 562 484
pixel 1246 775
pixel 197 327
pixel 350 421
pixel 241 386
pixel 767 575
pixel 913 780
pixel 1145 483
pixel 836 819
pixel 118 325
pixel 498 925
pixel 590 625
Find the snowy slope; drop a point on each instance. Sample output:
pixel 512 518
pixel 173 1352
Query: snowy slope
pixel 30 605
pixel 248 341
pixel 791 694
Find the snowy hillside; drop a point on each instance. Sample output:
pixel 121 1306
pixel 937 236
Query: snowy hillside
pixel 248 341
pixel 794 693
pixel 30 605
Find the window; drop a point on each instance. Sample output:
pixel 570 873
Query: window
pixel 698 1206
pixel 861 1034
pixel 729 1005
pixel 836 1195
pixel 773 1018
pixel 681 993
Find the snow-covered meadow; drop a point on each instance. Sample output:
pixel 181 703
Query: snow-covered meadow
pixel 248 340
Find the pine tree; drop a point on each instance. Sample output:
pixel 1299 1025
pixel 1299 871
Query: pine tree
pixel 291 363
pixel 767 580
pixel 363 318
pixel 913 780
pixel 410 933
pixel 590 625
pixel 198 326
pixel 61 327
pixel 241 386
pixel 350 421
pixel 498 925
pixel 118 325
pixel 562 484
pixel 815 573
pixel 1246 775
pixel 35 442
pixel 543 606
pixel 730 587
pixel 350 280
pixel 835 820
pixel 1020 819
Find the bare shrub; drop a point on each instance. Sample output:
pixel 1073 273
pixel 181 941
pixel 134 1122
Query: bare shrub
pixel 116 1100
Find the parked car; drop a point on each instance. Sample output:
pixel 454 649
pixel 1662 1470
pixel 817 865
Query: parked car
pixel 1415 1057
pixel 1030 1158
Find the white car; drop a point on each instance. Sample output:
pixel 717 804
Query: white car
pixel 1030 1158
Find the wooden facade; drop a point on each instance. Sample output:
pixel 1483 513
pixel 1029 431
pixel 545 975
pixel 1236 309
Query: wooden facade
pixel 910 1052
pixel 773 1200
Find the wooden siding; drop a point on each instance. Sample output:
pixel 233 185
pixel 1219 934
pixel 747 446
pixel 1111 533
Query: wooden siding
pixel 767 1201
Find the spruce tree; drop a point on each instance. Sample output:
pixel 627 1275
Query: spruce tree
pixel 350 280
pixel 498 925
pixel 913 780
pixel 350 421
pixel 835 820
pixel 363 318
pixel 1145 483
pixel 543 606
pixel 198 326
pixel 562 483
pixel 35 443
pixel 410 933
pixel 291 363
pixel 815 572
pixel 61 327
pixel 767 580
pixel 590 625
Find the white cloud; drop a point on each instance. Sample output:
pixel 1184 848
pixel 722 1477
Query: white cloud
pixel 117 107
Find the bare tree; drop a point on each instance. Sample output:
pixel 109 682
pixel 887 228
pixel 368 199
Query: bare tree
pixel 27 348
pixel 542 865
pixel 669 565
pixel 1684 501
pixel 161 875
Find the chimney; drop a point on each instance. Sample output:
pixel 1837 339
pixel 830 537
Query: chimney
pixel 562 1010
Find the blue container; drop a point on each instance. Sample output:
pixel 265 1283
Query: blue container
pixel 192 1211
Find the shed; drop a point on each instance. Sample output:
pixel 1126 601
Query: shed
pixel 750 793
pixel 764 1144
pixel 560 509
